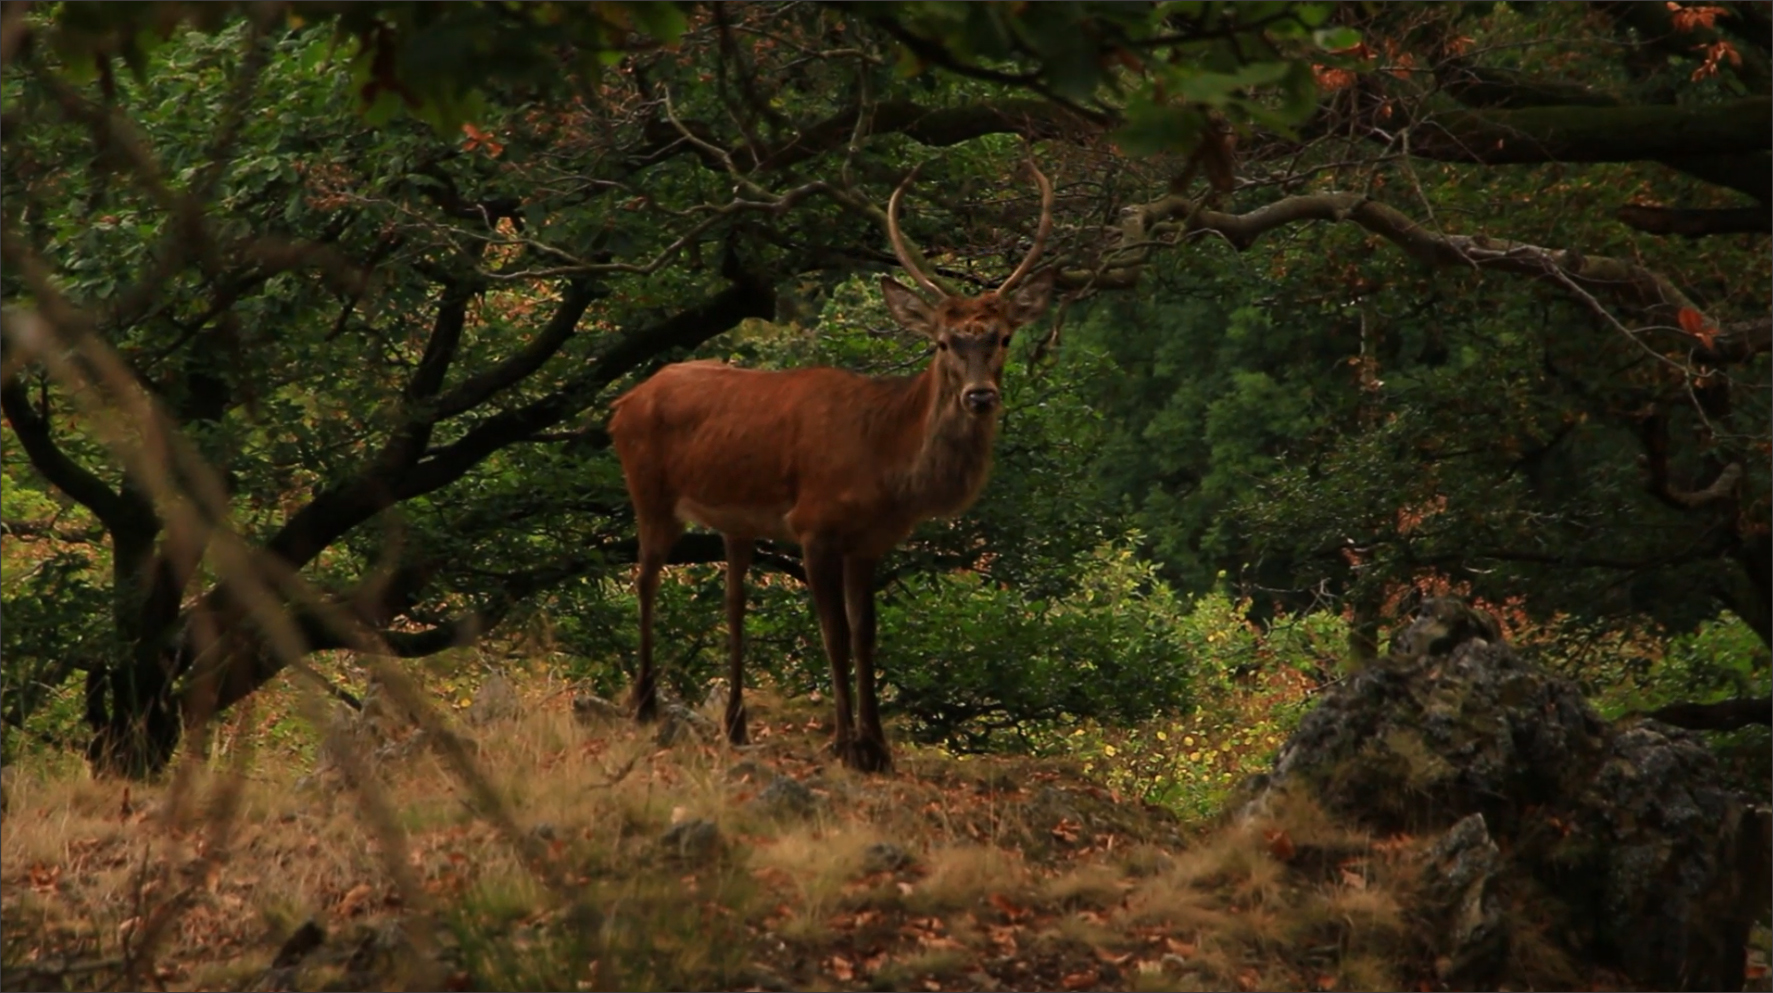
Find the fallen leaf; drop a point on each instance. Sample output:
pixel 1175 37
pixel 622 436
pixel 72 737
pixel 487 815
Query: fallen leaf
pixel 1279 844
pixel 354 899
pixel 1080 980
pixel 1183 949
pixel 1112 959
pixel 1009 907
pixel 841 967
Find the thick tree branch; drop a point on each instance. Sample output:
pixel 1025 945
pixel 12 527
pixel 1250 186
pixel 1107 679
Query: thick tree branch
pixel 749 298
pixel 477 389
pixel 81 484
pixel 1750 173
pixel 1150 224
pixel 1722 144
pixel 1696 223
pixel 935 127
pixel 1653 435
pixel 1481 87
pixel 340 508
pixel 1725 715
pixel 440 347
pixel 942 127
pixel 1595 134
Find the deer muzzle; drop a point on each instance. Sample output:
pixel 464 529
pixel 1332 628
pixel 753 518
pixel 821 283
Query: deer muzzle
pixel 980 399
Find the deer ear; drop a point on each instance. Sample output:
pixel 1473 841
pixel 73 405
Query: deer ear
pixel 1029 300
pixel 910 310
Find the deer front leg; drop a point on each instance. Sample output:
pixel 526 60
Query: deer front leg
pixel 738 562
pixel 872 754
pixel 824 574
pixel 646 685
pixel 657 533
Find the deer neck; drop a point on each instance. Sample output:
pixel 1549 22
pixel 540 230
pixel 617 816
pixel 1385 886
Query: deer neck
pixel 948 465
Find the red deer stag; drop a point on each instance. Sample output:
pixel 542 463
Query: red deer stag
pixel 842 464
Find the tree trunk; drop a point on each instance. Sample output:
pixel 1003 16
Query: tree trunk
pixel 130 706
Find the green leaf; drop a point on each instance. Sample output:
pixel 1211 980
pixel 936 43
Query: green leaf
pixel 1153 127
pixel 1336 39
pixel 1213 88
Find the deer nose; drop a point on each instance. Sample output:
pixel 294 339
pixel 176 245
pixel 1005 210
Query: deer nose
pixel 980 399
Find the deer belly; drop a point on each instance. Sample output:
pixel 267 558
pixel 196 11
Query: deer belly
pixel 737 519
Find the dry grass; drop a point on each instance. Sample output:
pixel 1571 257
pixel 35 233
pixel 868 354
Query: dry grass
pixel 951 874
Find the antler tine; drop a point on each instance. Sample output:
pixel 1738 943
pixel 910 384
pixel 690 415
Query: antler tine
pixel 1040 234
pixel 903 251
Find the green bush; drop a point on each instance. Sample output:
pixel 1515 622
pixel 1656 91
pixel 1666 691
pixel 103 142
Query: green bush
pixel 976 665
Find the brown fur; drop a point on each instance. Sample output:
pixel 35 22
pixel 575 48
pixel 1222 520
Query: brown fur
pixel 845 465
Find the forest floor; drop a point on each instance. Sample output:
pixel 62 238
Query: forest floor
pixel 558 853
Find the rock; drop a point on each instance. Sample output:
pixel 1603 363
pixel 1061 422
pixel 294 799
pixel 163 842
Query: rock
pixel 589 708
pixel 786 796
pixel 678 723
pixel 395 751
pixel 1442 624
pixel 762 977
pixel 715 701
pixel 694 840
pixel 885 857
pixel 496 701
pixel 299 944
pixel 1459 872
pixel 1627 834
pixel 750 769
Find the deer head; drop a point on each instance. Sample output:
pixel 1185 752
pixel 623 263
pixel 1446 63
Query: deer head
pixel 972 334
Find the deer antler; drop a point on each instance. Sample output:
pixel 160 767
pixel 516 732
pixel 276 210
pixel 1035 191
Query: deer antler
pixel 1040 234
pixel 903 251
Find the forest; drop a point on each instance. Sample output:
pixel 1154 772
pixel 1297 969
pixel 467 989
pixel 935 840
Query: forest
pixel 1372 587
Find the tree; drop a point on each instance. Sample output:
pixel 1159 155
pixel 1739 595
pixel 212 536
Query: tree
pixel 352 314
pixel 1593 437
pixel 391 340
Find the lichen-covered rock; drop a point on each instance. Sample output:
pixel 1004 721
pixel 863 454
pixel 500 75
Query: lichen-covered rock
pixel 785 796
pixel 1459 876
pixel 1622 843
pixel 679 723
pixel 590 709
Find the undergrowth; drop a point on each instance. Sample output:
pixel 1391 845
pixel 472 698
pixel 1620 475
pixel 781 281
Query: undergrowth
pixel 612 863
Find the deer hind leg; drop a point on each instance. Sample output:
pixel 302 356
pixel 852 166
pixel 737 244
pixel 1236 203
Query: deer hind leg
pixel 871 753
pixel 656 537
pixel 738 562
pixel 824 574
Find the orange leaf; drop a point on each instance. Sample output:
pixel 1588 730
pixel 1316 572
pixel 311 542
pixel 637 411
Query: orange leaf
pixel 354 900
pixel 841 967
pixel 1008 906
pixel 1178 947
pixel 1279 844
pixel 1081 980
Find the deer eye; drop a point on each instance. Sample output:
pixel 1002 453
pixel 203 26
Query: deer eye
pixel 1004 341
pixel 942 344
